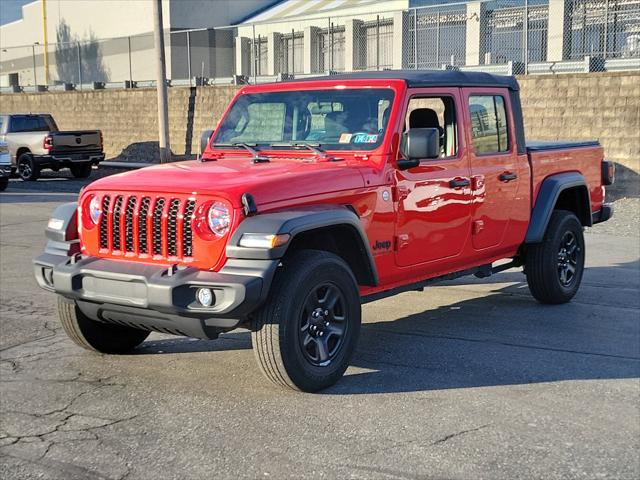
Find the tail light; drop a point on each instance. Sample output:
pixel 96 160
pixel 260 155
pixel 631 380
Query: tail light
pixel 608 172
pixel 47 144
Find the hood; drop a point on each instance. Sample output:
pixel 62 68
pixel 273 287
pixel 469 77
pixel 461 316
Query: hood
pixel 277 180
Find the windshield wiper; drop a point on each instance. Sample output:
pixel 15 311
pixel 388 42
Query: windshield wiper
pixel 314 147
pixel 256 157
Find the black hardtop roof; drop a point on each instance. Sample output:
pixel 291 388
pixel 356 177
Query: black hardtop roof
pixel 429 78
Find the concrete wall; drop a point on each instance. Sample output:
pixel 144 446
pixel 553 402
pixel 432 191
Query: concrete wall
pixel 128 118
pixel 604 106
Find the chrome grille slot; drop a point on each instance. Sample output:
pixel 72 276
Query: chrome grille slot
pixel 142 225
pixel 157 226
pixel 187 238
pixel 128 223
pixel 145 225
pixel 104 239
pixel 115 228
pixel 172 227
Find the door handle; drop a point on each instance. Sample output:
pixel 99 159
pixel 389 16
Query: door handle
pixel 508 176
pixel 459 182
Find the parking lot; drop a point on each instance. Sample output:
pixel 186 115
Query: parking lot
pixel 466 380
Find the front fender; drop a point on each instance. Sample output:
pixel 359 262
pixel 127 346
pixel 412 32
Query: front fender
pixel 294 222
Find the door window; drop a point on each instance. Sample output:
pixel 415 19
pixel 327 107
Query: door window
pixel 435 112
pixel 488 124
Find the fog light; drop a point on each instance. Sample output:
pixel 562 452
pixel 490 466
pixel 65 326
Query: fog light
pixel 205 297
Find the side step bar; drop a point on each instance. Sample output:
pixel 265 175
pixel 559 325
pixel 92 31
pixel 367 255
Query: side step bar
pixel 481 271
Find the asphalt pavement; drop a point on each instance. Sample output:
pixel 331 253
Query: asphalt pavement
pixel 467 380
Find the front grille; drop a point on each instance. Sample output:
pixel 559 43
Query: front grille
pixel 147 226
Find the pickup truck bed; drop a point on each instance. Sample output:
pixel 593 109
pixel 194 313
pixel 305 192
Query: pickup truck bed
pixel 552 158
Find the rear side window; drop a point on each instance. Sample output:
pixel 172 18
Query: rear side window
pixel 29 123
pixel 488 124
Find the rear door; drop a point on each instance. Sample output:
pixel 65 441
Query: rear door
pixel 434 199
pixel 494 165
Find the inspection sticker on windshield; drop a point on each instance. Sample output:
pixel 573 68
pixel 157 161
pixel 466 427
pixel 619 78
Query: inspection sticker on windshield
pixel 365 138
pixel 345 138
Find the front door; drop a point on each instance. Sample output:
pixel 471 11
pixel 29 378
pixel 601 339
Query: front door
pixel 433 200
pixel 494 165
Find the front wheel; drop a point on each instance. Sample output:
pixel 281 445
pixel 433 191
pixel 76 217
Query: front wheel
pixel 554 267
pixel 82 170
pixel 305 334
pixel 97 336
pixel 4 183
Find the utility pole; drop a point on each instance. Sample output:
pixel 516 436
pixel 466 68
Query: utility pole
pixel 44 39
pixel 163 108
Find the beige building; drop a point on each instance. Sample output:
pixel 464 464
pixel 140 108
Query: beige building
pixel 95 40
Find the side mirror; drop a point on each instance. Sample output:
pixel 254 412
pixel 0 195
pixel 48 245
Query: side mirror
pixel 417 144
pixel 204 140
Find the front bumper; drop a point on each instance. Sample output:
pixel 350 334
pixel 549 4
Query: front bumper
pixel 66 160
pixel 157 298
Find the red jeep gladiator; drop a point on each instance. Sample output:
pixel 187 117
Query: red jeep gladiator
pixel 314 196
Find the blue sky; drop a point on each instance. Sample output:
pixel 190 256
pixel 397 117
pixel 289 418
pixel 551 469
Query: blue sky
pixel 11 10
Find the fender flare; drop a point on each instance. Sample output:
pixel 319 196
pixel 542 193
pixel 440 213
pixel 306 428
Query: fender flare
pixel 294 222
pixel 546 200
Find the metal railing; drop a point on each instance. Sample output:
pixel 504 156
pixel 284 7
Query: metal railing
pixel 505 36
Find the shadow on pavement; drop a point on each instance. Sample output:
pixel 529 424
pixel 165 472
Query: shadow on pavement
pixel 502 338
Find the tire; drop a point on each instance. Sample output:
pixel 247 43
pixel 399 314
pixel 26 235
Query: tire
pixel 27 168
pixel 300 342
pixel 554 267
pixel 97 336
pixel 4 183
pixel 82 170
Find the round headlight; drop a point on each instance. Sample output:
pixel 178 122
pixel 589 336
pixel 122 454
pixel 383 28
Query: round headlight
pixel 95 209
pixel 219 219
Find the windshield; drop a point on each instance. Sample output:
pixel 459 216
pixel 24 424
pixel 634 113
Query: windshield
pixel 349 119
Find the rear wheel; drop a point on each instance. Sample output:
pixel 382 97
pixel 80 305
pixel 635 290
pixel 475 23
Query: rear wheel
pixel 554 267
pixel 82 170
pixel 97 336
pixel 27 167
pixel 305 334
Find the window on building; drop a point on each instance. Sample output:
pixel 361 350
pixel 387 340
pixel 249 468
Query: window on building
pixel 378 36
pixel 438 36
pixel 259 57
pixel 291 53
pixel 604 28
pixel 331 49
pixel 503 39
pixel 488 124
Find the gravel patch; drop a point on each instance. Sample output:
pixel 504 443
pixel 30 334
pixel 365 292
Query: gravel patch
pixel 625 221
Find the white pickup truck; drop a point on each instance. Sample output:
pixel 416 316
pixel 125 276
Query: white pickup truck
pixel 35 143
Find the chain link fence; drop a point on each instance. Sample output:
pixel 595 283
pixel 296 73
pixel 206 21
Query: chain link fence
pixel 499 36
